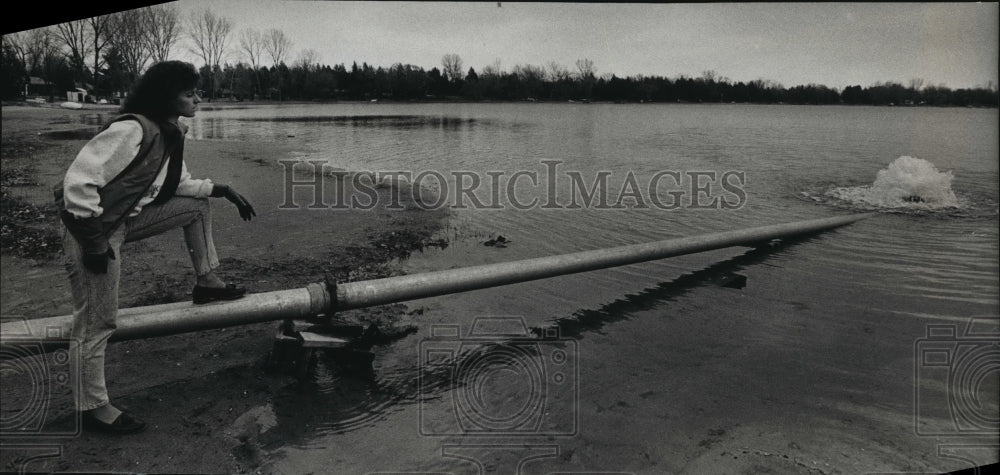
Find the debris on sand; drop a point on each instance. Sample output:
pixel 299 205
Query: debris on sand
pixel 500 241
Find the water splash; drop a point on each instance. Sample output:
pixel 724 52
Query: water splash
pixel 907 183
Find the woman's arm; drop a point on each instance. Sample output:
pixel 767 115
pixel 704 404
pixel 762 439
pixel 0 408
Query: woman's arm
pixel 201 188
pixel 99 161
pixel 193 187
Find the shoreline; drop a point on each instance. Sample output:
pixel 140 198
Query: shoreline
pixel 227 103
pixel 192 388
pixel 779 373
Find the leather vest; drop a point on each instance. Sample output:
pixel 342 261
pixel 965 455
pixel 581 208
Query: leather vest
pixel 123 192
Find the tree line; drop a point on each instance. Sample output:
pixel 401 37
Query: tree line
pixel 407 82
pixel 109 52
pixel 106 54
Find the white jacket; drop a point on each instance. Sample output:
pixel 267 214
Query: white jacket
pixel 107 155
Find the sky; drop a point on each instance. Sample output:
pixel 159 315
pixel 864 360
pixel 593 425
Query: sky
pixel 834 44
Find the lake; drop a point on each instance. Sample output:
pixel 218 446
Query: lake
pixel 865 348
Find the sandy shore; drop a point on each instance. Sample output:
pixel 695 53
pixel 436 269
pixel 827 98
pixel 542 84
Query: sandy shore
pixel 193 388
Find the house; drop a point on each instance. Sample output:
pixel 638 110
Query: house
pixel 37 86
pixel 77 95
pixel 81 93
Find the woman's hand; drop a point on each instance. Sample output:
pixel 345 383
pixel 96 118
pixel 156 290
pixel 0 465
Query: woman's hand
pixel 227 192
pixel 98 263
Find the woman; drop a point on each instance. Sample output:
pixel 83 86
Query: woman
pixel 128 183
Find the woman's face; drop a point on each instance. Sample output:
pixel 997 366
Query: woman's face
pixel 186 103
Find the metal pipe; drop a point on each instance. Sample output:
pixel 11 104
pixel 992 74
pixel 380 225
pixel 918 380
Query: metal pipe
pixel 409 287
pixel 181 317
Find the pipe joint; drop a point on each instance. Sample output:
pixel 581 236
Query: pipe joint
pixel 320 300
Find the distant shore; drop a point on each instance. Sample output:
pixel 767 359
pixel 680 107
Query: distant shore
pixel 209 104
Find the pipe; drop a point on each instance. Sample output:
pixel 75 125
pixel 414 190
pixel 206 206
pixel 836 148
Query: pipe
pixel 181 317
pixel 409 287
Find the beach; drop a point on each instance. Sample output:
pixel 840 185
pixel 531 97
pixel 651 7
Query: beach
pixel 190 388
pixel 798 356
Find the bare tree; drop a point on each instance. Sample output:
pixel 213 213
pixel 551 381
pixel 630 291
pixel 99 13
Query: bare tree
pixel 209 33
pixel 492 70
pixel 531 78
pixel 129 36
pixel 585 68
pixel 33 47
pixel 276 45
pixel 558 72
pixel 102 31
pixel 75 35
pixel 18 42
pixel 163 29
pixel 308 58
pixel 451 64
pixel 530 72
pixel 252 46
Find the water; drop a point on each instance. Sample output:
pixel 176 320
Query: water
pixel 719 350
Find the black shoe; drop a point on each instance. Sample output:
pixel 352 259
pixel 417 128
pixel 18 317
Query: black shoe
pixel 125 424
pixel 211 294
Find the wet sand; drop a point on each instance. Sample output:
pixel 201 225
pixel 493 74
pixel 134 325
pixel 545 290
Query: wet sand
pixel 190 388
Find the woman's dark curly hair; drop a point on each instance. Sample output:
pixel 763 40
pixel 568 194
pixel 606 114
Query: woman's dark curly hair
pixel 154 93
